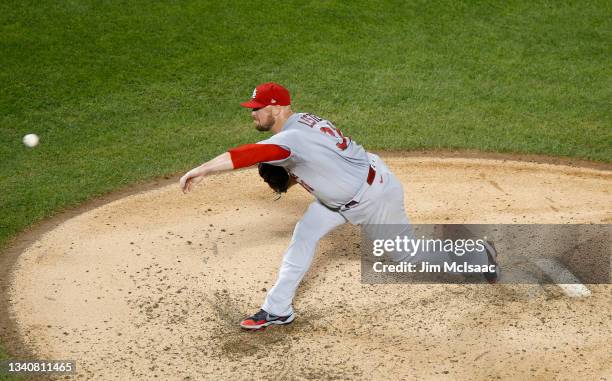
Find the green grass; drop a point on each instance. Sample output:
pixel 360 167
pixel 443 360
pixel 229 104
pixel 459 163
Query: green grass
pixel 120 92
pixel 4 376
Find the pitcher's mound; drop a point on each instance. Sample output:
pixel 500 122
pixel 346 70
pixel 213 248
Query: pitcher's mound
pixel 153 286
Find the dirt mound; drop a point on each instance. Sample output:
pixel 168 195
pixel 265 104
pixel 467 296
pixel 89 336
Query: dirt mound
pixel 153 285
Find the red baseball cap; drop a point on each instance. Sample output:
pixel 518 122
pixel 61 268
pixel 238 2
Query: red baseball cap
pixel 268 94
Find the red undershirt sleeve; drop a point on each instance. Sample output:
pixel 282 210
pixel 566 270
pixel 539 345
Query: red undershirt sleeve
pixel 250 154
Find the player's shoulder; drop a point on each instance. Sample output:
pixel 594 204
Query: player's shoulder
pixel 304 119
pixel 296 130
pixel 284 137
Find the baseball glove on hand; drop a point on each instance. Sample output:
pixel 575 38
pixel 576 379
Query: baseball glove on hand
pixel 276 177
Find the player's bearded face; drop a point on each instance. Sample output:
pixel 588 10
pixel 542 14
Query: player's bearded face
pixel 263 118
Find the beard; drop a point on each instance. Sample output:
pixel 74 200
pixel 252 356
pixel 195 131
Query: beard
pixel 263 127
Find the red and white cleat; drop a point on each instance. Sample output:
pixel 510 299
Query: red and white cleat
pixel 263 319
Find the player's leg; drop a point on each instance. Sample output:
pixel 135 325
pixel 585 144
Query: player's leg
pixel 317 222
pixel 384 217
pixel 380 210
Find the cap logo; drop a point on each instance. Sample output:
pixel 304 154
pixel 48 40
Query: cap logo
pixel 254 93
pixel 273 101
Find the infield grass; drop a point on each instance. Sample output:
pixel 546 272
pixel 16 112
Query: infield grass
pixel 120 92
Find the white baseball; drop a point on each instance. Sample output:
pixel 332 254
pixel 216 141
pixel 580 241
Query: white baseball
pixel 30 140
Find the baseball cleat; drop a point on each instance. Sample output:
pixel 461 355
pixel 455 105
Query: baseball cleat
pixel 491 277
pixel 263 319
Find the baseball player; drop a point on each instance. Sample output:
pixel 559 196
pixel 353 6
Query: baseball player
pixel 348 184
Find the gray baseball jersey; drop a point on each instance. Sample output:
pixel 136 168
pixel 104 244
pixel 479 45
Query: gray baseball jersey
pixel 329 165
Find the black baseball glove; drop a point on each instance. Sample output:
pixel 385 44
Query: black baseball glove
pixel 276 177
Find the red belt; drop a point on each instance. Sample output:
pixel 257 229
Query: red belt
pixel 371 175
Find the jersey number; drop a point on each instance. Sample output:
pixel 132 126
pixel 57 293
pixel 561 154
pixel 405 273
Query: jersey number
pixel 336 134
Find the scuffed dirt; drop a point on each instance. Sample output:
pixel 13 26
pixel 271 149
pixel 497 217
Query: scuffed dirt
pixel 153 286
